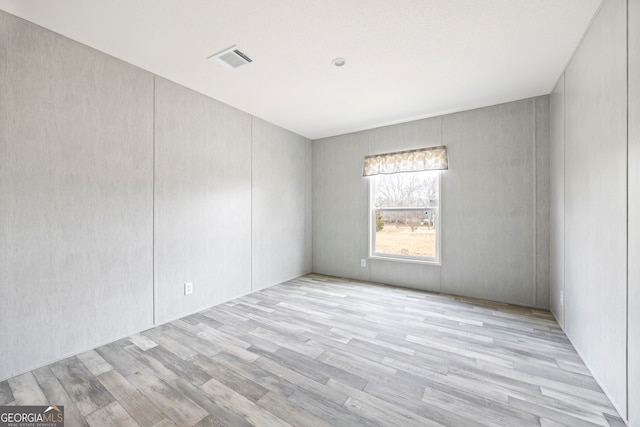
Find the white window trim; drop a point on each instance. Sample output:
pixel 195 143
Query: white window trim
pixel 437 260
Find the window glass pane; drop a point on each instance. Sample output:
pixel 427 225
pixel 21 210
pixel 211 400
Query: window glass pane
pixel 406 215
pixel 407 233
pixel 414 189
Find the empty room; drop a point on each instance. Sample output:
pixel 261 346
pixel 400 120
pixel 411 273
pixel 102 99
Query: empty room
pixel 320 213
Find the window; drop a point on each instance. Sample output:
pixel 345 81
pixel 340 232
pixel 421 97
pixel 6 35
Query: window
pixel 405 216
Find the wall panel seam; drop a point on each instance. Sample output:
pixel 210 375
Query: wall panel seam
pixel 535 204
pixel 627 225
pixel 251 207
pixel 153 206
pixel 441 216
pixel 564 198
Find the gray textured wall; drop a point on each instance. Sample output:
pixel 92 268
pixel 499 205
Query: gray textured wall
pixel 80 209
pixel 280 220
pixel 542 201
pixel 595 200
pixel 492 211
pixel 556 275
pixel 341 200
pixel 76 200
pixel 490 203
pixel 634 213
pixel 202 201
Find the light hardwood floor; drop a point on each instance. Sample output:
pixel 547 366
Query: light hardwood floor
pixel 321 351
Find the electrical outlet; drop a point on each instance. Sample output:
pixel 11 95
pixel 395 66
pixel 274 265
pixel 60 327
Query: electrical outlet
pixel 188 288
pixel 363 262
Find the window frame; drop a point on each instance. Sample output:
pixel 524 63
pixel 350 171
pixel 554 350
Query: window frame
pixel 437 260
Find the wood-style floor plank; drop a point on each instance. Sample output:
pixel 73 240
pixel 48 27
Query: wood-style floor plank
pixel 94 362
pixel 54 392
pixel 6 396
pixel 112 414
pixel 26 391
pixel 219 414
pixel 323 351
pixel 143 410
pixel 182 410
pixel 83 387
pixel 236 402
pixel 287 411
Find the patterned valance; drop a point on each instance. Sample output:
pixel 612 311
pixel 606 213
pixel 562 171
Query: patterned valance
pixel 423 159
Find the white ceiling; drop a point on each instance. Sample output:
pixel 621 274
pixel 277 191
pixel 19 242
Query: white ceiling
pixel 406 59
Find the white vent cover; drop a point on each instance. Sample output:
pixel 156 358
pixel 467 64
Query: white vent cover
pixel 231 57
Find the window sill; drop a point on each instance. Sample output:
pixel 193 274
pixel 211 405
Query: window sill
pixel 434 262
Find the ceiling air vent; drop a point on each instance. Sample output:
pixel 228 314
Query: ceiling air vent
pixel 232 57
